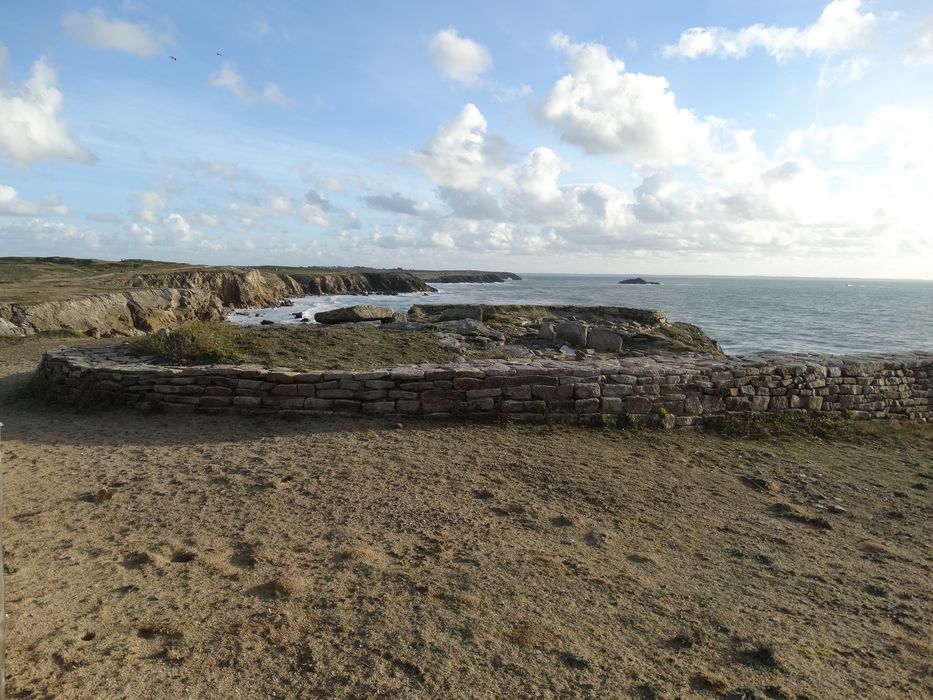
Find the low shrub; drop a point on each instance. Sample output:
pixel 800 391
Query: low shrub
pixel 194 344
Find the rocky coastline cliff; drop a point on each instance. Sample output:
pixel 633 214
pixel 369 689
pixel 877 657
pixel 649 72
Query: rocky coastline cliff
pixel 130 303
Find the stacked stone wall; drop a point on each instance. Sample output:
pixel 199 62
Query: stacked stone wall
pixel 674 392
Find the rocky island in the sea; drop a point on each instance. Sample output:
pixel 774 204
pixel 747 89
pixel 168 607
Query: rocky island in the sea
pixel 637 280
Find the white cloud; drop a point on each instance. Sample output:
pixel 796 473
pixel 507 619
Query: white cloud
pixel 95 29
pixel 397 204
pixel 229 79
pixel 460 154
pixel 604 109
pixel 401 237
pixel 921 51
pixel 172 232
pixel 152 204
pixel 312 208
pixel 842 26
pixel 737 203
pixel 31 128
pixel 904 135
pixel 458 58
pixel 206 219
pixel 23 235
pixel 11 204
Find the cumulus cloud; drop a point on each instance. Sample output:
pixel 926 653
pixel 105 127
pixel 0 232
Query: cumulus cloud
pixel 207 219
pixel 397 204
pixel 173 231
pixel 461 154
pixel 604 109
pixel 735 203
pixel 842 26
pixel 228 78
pixel 151 205
pixel 905 135
pixel 31 127
pixel 11 204
pixel 25 235
pixel 459 59
pixel 95 29
pixel 401 237
pixel 311 208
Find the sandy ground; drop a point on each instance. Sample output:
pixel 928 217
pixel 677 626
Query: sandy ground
pixel 202 556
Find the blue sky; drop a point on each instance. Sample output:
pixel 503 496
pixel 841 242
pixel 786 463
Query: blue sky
pixel 720 137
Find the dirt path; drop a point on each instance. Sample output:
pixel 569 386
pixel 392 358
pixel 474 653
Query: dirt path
pixel 169 556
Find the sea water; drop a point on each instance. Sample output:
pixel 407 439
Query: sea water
pixel 745 314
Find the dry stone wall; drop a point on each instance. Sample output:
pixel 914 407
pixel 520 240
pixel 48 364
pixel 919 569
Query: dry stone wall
pixel 674 392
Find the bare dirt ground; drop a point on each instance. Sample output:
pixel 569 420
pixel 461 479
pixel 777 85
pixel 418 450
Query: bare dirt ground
pixel 204 556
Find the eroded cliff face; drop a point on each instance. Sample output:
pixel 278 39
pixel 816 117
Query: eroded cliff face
pixel 247 288
pixel 155 300
pixel 365 283
pixel 118 313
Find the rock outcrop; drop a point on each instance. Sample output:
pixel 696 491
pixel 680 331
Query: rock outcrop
pixel 327 283
pixel 354 314
pixel 119 313
pixel 121 301
pixel 252 288
pixel 152 301
pixel 586 328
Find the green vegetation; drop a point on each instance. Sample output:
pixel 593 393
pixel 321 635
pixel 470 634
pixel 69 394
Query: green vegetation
pixel 804 423
pixel 297 347
pixel 34 280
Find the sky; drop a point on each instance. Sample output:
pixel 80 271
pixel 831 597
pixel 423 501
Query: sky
pixel 658 137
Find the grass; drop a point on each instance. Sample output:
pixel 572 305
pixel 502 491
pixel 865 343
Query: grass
pixel 35 280
pixel 766 425
pixel 298 347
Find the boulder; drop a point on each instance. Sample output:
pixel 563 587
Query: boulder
pixel 469 326
pixel 603 340
pixel 351 314
pixel 403 326
pixel 572 332
pixel 458 313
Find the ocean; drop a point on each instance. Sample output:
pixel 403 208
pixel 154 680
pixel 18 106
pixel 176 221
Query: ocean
pixel 745 314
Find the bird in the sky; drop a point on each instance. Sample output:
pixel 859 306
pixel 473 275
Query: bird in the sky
pixel 173 58
pixel 218 53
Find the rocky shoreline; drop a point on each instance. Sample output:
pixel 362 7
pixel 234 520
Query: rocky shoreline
pixel 150 301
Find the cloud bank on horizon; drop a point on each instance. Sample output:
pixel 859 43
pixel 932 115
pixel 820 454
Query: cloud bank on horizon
pixel 782 141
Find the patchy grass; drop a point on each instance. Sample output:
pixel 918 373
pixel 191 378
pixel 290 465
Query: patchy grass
pixel 810 423
pixel 298 347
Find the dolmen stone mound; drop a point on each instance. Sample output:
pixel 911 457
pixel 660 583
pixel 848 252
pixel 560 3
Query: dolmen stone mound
pixel 637 280
pixel 355 314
